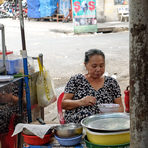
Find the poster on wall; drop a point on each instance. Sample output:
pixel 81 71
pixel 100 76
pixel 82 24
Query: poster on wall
pixel 84 16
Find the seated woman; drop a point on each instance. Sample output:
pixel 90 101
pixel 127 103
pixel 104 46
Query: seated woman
pixel 83 93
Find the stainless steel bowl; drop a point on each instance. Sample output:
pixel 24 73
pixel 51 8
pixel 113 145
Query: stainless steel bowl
pixel 68 130
pixel 109 122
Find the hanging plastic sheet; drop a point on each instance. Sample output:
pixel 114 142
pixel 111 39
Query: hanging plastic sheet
pixel 33 8
pixel 48 7
pixel 64 7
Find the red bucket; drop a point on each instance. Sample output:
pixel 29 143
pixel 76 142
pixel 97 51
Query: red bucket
pixel 35 140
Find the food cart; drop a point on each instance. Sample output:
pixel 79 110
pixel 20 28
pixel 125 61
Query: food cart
pixel 12 102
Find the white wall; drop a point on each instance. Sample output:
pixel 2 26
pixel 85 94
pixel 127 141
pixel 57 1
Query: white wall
pixel 107 10
pixel 110 11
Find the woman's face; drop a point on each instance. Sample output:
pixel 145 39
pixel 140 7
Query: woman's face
pixel 95 66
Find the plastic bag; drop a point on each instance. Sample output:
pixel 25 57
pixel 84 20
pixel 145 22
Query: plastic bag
pixel 45 89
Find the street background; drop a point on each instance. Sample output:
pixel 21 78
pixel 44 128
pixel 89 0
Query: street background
pixel 63 51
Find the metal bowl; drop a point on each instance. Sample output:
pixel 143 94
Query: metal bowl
pixel 68 130
pixel 112 122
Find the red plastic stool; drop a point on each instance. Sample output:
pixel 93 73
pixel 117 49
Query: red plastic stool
pixel 6 140
pixel 60 113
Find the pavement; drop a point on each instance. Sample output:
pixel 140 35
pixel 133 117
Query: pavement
pixel 60 27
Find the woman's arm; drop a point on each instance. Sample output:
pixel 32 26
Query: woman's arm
pixel 119 101
pixel 68 103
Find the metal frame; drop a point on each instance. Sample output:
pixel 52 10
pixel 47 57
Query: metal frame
pixel 41 59
pixel 3 68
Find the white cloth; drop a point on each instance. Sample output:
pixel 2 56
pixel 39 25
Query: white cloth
pixel 38 130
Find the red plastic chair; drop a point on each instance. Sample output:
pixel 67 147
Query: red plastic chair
pixel 6 140
pixel 60 113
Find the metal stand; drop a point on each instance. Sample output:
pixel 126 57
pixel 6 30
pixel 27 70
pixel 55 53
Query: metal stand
pixel 41 60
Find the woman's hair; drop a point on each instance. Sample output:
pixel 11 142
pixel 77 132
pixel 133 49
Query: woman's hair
pixel 92 52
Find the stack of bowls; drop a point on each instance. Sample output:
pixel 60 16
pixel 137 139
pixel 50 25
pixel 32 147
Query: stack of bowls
pixel 68 134
pixel 107 129
pixel 109 138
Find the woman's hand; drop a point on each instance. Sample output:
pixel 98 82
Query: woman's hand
pixel 68 103
pixel 88 100
pixel 119 101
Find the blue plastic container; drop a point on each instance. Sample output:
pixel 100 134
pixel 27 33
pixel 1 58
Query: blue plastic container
pixel 12 66
pixel 69 141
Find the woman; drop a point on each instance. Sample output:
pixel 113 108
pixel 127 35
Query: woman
pixel 84 92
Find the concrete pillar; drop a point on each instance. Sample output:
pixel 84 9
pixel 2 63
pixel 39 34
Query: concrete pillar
pixel 100 4
pixel 139 73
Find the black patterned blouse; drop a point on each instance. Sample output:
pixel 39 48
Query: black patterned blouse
pixel 80 87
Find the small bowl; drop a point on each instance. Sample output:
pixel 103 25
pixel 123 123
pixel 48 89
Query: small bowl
pixel 69 141
pixel 68 130
pixel 108 108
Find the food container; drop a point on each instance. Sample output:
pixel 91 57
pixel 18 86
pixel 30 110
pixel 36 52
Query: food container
pixel 108 108
pixel 108 138
pixel 91 145
pixel 35 140
pixel 14 63
pixel 69 141
pixel 68 130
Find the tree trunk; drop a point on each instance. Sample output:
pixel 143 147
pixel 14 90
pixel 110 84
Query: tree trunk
pixel 139 73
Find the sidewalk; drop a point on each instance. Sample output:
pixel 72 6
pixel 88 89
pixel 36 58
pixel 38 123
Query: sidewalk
pixel 102 27
pixel 113 26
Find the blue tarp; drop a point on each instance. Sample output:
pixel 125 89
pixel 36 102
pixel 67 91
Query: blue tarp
pixel 41 8
pixel 48 7
pixel 33 8
pixel 64 7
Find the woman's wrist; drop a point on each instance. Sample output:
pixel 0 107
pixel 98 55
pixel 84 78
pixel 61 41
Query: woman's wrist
pixel 81 102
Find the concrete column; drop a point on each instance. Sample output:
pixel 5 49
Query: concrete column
pixel 139 73
pixel 100 4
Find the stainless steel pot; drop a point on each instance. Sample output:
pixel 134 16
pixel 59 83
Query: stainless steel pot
pixel 68 130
